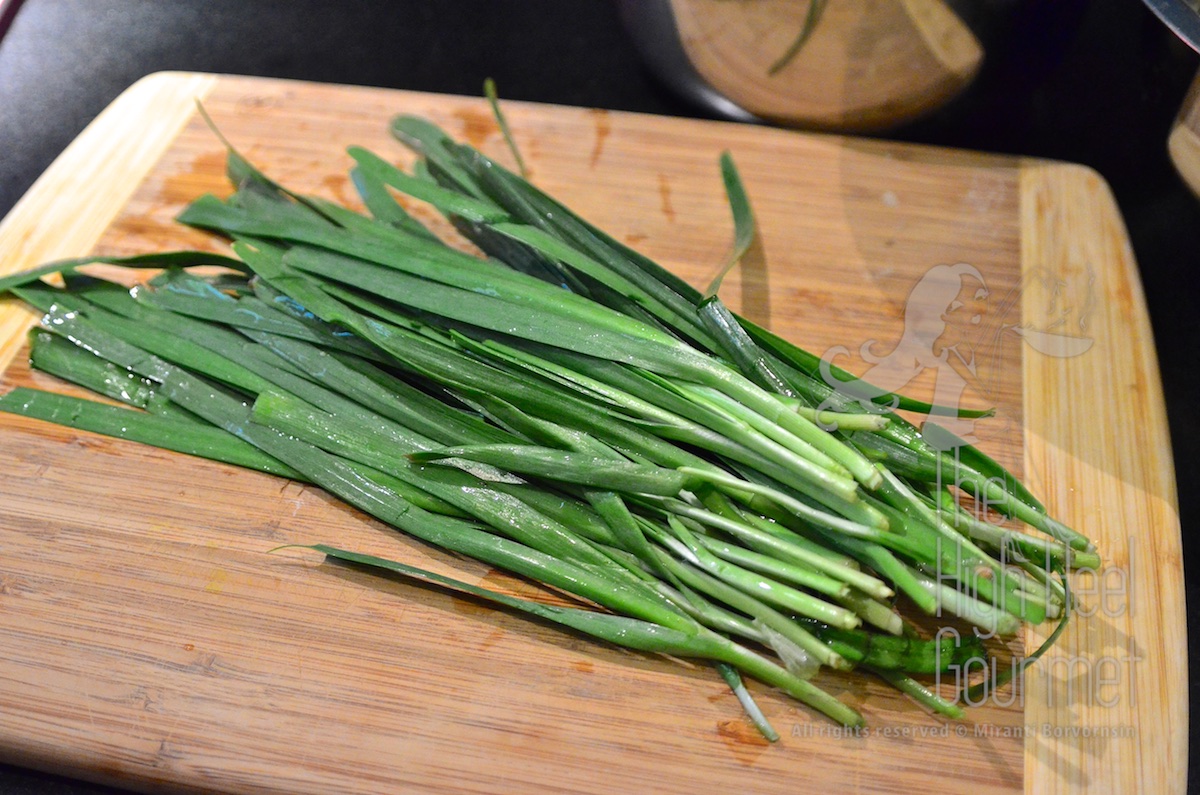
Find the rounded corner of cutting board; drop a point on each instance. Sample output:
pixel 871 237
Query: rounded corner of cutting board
pixel 76 198
pixel 1041 174
pixel 166 78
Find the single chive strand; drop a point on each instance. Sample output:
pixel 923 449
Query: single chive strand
pixel 802 510
pixel 756 716
pixel 919 693
pixel 744 226
pixel 569 467
pixel 729 334
pixel 621 630
pixel 811 18
pixel 841 421
pixel 152 261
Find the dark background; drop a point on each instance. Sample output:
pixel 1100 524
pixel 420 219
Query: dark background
pixel 1097 83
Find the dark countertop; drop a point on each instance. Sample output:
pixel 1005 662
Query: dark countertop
pixel 1097 83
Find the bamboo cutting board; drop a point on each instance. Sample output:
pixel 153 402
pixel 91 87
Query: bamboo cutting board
pixel 147 637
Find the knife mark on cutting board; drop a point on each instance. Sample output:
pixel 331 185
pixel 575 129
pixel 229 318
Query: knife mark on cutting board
pixel 204 174
pixel 493 636
pixel 664 191
pixel 745 741
pixel 338 187
pixel 477 125
pixel 603 128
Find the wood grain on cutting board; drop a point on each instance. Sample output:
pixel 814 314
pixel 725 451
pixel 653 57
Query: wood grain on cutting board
pixel 150 639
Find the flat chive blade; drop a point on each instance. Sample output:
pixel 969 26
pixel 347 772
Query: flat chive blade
pixel 570 467
pixel 743 222
pixel 489 90
pixel 204 441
